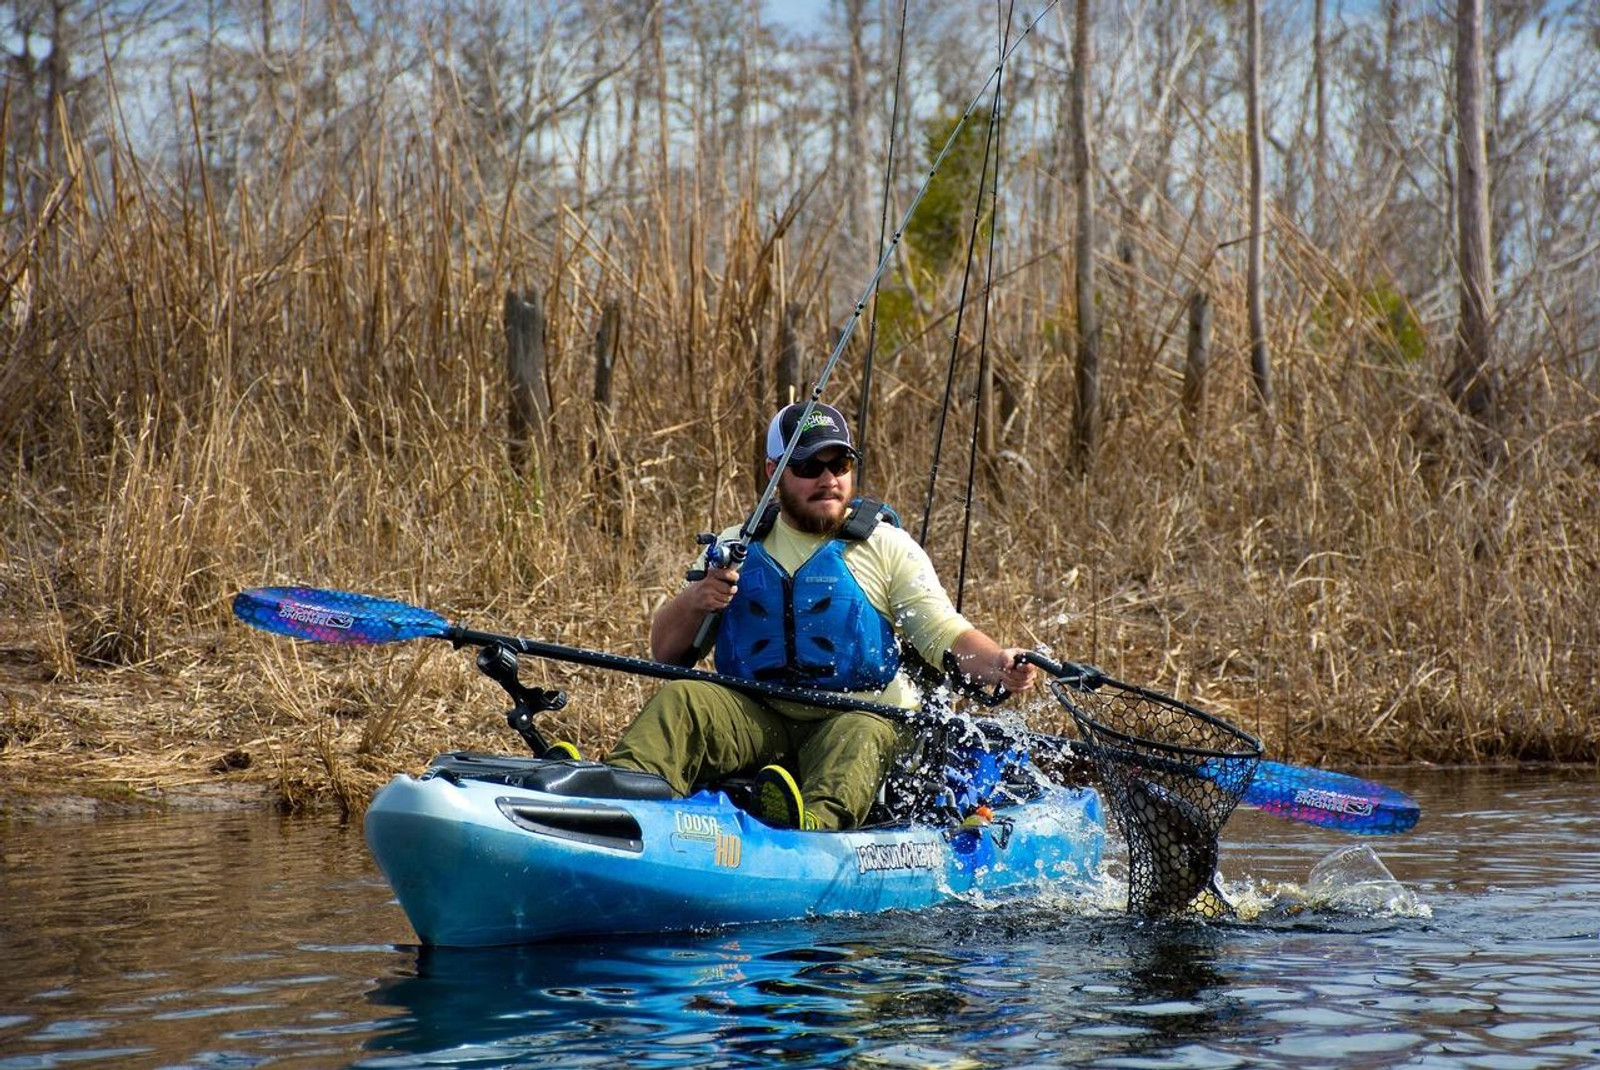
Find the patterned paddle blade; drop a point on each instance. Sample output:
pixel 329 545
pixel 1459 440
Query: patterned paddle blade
pixel 1331 800
pixel 324 616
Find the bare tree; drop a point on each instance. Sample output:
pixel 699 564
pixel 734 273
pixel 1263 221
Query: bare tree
pixel 53 58
pixel 1085 416
pixel 1471 381
pixel 855 120
pixel 1260 359
pixel 1321 209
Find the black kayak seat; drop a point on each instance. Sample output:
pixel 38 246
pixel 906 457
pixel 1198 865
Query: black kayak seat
pixel 574 779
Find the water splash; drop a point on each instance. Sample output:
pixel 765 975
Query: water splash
pixel 1351 881
pixel 1354 880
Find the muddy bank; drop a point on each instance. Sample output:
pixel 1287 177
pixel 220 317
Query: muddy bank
pixel 66 801
pixel 229 718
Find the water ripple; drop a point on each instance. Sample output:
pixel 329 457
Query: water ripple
pixel 248 940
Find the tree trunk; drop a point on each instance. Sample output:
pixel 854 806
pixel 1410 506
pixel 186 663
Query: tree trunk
pixel 607 340
pixel 855 120
pixel 790 375
pixel 56 71
pixel 1471 382
pixel 1322 209
pixel 790 379
pixel 1085 420
pixel 528 410
pixel 1260 360
pixel 1196 362
pixel 604 455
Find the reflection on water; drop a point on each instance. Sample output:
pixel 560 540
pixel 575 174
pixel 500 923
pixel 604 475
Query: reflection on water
pixel 754 996
pixel 202 938
pixel 250 940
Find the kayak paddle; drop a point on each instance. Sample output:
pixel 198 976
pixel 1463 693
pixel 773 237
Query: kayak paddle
pixel 1298 793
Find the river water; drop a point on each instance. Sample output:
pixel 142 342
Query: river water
pixel 251 940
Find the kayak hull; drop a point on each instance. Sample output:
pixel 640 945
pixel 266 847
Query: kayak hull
pixel 477 863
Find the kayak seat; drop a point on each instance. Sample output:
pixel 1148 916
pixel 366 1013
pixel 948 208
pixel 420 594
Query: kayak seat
pixel 740 790
pixel 575 779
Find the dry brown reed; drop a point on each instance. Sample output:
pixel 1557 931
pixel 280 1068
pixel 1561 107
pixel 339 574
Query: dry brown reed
pixel 205 394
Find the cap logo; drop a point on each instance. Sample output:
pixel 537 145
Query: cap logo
pixel 818 419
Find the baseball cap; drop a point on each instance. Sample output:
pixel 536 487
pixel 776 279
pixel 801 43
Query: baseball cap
pixel 824 427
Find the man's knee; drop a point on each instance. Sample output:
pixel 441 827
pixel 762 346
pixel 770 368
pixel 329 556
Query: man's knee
pixel 869 734
pixel 674 696
pixel 707 728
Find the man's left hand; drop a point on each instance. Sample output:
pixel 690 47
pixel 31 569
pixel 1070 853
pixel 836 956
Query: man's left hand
pixel 1016 674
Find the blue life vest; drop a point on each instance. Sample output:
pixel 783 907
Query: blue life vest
pixel 813 629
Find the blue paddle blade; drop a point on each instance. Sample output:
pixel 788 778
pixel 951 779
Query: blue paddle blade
pixel 335 616
pixel 1331 800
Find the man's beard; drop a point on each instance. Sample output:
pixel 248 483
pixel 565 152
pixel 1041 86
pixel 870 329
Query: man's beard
pixel 802 514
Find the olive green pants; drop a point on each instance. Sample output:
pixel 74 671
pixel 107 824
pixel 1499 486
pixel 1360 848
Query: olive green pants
pixel 691 733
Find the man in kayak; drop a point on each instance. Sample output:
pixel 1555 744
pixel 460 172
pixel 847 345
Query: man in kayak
pixel 823 600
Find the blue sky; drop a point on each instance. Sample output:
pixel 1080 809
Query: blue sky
pixel 799 13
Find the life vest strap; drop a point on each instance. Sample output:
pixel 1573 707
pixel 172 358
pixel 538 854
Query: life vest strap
pixel 865 513
pixel 863 519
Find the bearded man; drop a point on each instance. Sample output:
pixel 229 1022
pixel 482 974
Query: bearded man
pixel 827 594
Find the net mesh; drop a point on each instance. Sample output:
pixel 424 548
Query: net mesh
pixel 1172 774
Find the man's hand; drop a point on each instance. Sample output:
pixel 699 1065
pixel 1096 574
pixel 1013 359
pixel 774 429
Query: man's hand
pixel 713 593
pixel 984 660
pixel 1016 674
pixel 673 629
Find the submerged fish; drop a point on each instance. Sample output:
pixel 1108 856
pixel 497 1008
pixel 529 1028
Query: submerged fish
pixel 1172 854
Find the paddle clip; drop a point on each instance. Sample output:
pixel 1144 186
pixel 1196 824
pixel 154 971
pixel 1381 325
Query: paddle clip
pixel 499 663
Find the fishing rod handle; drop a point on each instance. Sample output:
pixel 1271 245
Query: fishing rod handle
pixel 718 555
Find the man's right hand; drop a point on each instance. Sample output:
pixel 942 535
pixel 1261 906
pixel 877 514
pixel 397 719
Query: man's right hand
pixel 675 625
pixel 714 592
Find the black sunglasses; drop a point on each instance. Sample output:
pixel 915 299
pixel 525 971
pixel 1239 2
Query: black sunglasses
pixel 812 467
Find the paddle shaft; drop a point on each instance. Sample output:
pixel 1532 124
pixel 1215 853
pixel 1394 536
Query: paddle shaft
pixel 1298 793
pixel 828 700
pixel 1332 801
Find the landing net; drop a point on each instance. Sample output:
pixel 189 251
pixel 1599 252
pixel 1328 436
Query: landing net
pixel 1172 774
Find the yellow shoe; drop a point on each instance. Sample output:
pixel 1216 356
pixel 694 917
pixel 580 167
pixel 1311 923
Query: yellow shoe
pixel 778 801
pixel 563 751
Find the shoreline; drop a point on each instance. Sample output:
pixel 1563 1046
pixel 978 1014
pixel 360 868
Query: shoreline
pixel 69 802
pixel 225 721
pixel 72 799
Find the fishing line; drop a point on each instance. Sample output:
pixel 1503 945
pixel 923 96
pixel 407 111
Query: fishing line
pixel 989 145
pixel 746 532
pixel 864 409
pixel 955 340
pixel 978 396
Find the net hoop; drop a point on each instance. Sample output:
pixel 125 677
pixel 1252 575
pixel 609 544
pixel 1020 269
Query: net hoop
pixel 1092 728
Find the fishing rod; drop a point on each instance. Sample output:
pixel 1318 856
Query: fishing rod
pixel 731 553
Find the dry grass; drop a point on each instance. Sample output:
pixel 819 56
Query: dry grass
pixel 201 397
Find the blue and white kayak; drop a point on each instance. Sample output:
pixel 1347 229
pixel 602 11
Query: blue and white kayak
pixel 484 851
